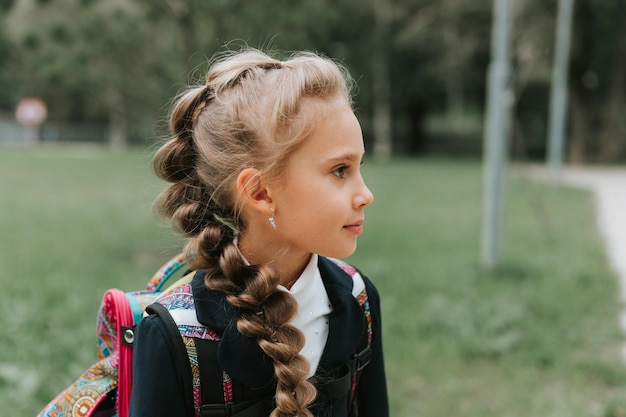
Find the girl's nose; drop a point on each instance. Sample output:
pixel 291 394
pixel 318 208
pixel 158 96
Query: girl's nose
pixel 364 196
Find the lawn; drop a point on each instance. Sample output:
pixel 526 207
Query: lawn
pixel 537 336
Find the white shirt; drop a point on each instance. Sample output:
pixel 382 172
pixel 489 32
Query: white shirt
pixel 313 310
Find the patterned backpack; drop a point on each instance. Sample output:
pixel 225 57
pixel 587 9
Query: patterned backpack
pixel 104 389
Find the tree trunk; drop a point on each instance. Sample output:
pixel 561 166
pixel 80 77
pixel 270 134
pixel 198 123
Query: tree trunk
pixel 187 27
pixel 613 140
pixel 579 131
pixel 117 121
pixel 455 100
pixel 381 112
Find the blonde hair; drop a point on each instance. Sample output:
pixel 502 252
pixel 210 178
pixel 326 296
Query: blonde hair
pixel 253 111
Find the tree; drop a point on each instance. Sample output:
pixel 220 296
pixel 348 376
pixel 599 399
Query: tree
pixel 8 93
pixel 381 82
pixel 597 82
pixel 613 141
pixel 120 61
pixel 439 53
pixel 93 59
pixel 532 52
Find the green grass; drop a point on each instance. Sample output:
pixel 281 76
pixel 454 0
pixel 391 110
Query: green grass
pixel 537 336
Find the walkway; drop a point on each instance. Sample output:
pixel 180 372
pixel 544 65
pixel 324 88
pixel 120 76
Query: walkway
pixel 609 188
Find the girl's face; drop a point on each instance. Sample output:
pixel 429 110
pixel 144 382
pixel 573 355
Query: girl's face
pixel 319 202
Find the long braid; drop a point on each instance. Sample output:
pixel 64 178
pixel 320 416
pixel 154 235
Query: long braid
pixel 265 313
pixel 220 129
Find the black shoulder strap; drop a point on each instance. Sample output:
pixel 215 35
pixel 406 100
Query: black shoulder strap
pixel 211 374
pixel 212 387
pixel 184 367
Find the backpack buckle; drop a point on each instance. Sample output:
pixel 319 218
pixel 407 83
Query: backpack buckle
pixel 362 359
pixel 216 410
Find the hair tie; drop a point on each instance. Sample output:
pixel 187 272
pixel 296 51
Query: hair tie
pixel 227 223
pixel 207 95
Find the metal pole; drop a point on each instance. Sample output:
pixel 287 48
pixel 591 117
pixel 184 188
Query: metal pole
pixel 495 140
pixel 558 94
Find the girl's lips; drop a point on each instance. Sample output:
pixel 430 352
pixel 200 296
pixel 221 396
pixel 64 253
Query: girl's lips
pixel 356 228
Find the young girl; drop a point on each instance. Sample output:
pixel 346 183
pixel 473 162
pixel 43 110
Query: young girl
pixel 264 166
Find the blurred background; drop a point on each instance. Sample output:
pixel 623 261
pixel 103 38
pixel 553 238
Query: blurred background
pixel 85 88
pixel 107 69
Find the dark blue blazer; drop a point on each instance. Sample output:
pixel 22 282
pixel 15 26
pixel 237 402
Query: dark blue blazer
pixel 156 391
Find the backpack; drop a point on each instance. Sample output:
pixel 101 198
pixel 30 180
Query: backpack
pixel 103 390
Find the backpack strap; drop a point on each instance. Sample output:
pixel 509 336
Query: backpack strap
pixel 211 374
pixel 184 367
pixel 216 401
pixel 242 409
pixel 342 382
pixel 363 357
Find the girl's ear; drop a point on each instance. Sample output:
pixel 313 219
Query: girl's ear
pixel 254 192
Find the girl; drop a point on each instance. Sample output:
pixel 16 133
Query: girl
pixel 265 170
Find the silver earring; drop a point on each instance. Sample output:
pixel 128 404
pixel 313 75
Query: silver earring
pixel 272 221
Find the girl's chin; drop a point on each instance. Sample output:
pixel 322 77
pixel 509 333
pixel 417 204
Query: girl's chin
pixel 340 252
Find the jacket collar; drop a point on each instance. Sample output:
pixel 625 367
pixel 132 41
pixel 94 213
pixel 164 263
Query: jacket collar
pixel 242 358
pixel 346 321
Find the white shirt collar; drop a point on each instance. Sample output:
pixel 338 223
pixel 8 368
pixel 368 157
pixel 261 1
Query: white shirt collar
pixel 306 279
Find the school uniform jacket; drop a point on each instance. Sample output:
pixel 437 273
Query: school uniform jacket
pixel 156 391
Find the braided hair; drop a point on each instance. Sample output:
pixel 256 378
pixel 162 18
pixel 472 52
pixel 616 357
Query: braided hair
pixel 252 111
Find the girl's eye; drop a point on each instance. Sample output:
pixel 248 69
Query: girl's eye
pixel 340 171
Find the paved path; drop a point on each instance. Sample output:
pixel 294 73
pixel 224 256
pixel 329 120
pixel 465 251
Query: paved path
pixel 609 188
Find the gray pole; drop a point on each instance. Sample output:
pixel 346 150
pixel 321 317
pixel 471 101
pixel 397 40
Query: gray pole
pixel 495 140
pixel 558 95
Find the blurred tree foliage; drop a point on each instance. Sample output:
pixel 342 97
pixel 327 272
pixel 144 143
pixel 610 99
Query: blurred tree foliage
pixel 120 62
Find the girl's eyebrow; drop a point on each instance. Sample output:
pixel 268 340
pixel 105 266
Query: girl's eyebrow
pixel 346 157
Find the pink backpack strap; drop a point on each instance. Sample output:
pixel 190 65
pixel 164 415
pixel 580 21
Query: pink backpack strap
pixel 116 305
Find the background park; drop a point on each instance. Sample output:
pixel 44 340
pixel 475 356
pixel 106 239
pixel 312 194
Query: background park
pixel 537 333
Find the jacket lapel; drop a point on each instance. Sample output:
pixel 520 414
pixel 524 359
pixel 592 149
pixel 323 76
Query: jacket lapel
pixel 346 321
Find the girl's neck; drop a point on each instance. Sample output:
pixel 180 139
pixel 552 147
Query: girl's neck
pixel 289 265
